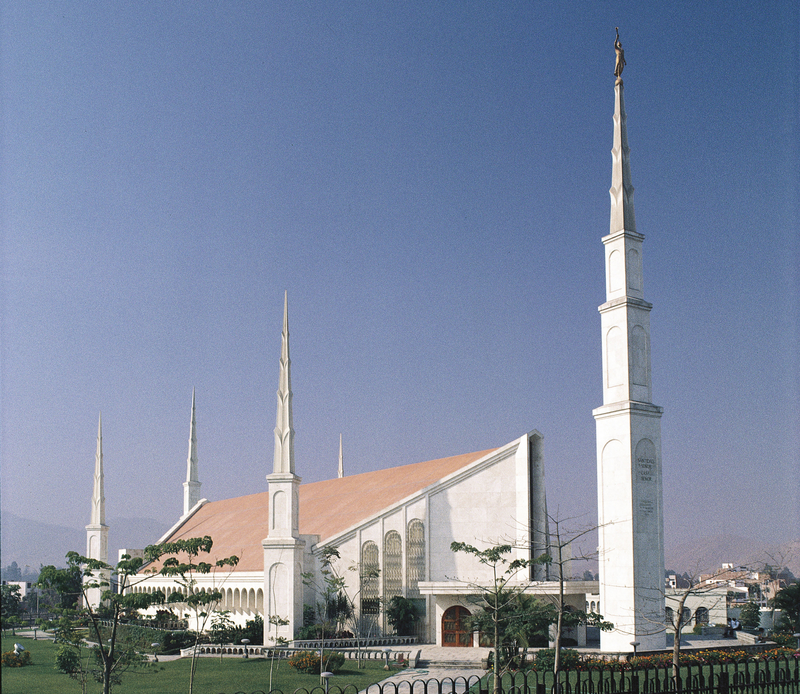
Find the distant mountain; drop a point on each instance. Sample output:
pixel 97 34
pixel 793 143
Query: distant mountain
pixel 705 554
pixel 30 542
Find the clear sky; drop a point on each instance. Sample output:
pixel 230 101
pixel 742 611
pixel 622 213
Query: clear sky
pixel 429 181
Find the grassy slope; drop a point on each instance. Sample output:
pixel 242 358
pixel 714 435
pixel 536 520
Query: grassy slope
pixel 232 675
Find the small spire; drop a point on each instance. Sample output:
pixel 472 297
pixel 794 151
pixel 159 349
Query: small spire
pixel 341 459
pixel 98 495
pixel 623 216
pixel 283 459
pixel 191 487
pixel 191 461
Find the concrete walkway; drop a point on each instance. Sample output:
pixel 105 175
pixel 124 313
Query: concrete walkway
pixel 457 668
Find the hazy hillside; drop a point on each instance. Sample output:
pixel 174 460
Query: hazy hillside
pixel 708 553
pixel 30 542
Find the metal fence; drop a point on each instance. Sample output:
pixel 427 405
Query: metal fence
pixel 780 676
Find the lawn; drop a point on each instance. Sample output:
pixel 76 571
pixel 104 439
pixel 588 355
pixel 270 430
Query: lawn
pixel 212 677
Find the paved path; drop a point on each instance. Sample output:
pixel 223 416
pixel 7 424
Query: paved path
pixel 456 668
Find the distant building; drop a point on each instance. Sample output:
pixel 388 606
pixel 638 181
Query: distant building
pixel 747 584
pixel 25 587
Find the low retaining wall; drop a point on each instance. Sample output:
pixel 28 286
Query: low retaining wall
pixel 371 642
pixel 410 655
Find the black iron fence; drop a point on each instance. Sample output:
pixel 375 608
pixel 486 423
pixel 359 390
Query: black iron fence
pixel 779 676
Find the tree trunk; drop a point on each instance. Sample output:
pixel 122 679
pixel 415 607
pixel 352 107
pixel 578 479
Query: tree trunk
pixel 560 622
pixel 496 663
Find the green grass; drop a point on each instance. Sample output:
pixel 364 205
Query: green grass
pixel 212 677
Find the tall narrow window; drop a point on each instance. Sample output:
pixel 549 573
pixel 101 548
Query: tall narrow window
pixel 370 570
pixel 392 565
pixel 415 556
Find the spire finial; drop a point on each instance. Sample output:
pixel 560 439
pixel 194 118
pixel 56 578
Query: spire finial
pixel 98 494
pixel 283 459
pixel 341 459
pixel 619 66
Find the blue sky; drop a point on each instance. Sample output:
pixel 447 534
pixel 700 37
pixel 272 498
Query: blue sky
pixel 429 183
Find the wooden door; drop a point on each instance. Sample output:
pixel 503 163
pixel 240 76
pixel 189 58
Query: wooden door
pixel 454 628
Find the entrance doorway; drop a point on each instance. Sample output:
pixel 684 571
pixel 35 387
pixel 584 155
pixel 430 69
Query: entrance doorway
pixel 455 632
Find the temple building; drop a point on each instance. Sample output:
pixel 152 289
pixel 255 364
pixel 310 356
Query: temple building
pixel 392 528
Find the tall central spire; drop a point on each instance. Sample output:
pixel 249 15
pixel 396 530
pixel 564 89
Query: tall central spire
pixel 628 425
pixel 283 460
pixel 98 494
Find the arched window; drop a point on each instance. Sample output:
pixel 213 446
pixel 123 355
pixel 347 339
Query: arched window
pixel 415 556
pixel 370 570
pixel 701 615
pixel 669 615
pixel 392 565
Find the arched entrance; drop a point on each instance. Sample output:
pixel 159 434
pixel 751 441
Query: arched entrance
pixel 454 627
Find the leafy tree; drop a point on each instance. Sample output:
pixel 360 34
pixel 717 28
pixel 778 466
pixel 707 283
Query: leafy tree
pixel 750 615
pixel 222 629
pixel 80 661
pixel 64 584
pixel 788 602
pixel 181 561
pixel 111 658
pixel 112 654
pixel 402 615
pixel 11 602
pixel 12 572
pixel 498 596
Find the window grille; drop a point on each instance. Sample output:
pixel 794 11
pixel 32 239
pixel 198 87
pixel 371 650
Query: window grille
pixel 415 561
pixel 392 565
pixel 370 595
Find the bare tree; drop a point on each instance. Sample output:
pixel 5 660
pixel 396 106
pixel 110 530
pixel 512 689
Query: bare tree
pixel 563 543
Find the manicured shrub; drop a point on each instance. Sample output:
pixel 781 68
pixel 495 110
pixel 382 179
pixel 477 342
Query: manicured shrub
pixel 546 659
pixel 11 659
pixel 308 661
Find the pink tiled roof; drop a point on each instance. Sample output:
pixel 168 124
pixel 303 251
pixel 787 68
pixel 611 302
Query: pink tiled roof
pixel 238 525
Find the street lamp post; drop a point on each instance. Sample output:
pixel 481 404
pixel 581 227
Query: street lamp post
pixel 634 644
pixel 387 652
pixel 245 642
pixel 325 677
pixel 155 651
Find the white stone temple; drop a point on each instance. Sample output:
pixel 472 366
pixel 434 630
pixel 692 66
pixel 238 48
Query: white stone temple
pixel 393 527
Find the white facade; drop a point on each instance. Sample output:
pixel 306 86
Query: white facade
pixel 490 501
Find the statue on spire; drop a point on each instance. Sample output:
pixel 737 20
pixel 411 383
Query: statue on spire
pixel 620 64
